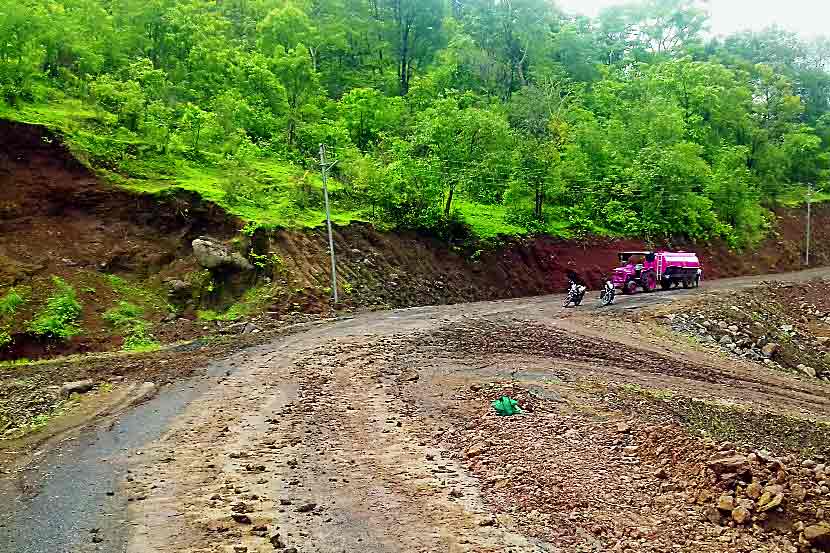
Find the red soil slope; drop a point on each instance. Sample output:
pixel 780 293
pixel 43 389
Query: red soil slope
pixel 57 218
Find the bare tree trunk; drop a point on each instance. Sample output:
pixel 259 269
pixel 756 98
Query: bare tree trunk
pixel 403 66
pixel 449 201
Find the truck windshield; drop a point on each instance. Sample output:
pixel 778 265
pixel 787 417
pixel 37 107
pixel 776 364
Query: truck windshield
pixel 631 260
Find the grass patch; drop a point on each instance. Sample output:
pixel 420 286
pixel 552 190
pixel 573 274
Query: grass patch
pixel 284 195
pixel 488 221
pixel 128 318
pixel 38 422
pixel 730 421
pixel 797 196
pixel 252 302
pixel 58 319
pixel 10 302
pixel 137 294
pixel 491 221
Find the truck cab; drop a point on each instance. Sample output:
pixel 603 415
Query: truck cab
pixel 636 269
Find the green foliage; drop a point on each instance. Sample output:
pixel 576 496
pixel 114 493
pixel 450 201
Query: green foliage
pixel 128 318
pixel 123 315
pixel 149 298
pixel 10 302
pixel 5 337
pixel 253 301
pixel 631 123
pixel 58 319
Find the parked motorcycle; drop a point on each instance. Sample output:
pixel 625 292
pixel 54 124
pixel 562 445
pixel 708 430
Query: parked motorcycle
pixel 608 293
pixel 576 293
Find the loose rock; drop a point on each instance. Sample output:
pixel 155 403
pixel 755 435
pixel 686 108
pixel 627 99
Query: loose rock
pixel 78 387
pixel 818 534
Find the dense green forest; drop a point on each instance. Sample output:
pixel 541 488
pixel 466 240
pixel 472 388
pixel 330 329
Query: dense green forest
pixel 508 115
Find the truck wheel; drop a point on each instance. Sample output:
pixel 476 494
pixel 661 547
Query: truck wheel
pixel 630 287
pixel 665 283
pixel 650 282
pixel 687 282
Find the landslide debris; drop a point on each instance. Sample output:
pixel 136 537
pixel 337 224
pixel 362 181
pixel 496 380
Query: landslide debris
pixel 584 478
pixel 783 325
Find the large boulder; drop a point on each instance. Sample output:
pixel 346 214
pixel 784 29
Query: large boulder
pixel 728 463
pixel 809 371
pixel 213 254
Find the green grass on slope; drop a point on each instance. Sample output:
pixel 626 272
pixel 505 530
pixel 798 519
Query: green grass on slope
pixel 798 196
pixel 286 195
pixel 278 204
pixel 490 221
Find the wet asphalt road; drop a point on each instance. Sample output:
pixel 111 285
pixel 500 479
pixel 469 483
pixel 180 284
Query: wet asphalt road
pixel 54 504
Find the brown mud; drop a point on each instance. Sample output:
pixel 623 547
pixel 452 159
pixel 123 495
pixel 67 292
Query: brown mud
pixel 377 434
pixel 57 218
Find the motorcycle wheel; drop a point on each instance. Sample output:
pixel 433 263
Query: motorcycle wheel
pixel 566 302
pixel 605 299
pixel 577 302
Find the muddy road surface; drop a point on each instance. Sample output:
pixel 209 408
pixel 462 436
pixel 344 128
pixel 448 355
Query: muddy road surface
pixel 362 435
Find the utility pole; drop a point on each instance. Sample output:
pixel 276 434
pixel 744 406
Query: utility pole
pixel 325 166
pixel 809 217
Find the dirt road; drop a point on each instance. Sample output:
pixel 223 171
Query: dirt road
pixel 361 435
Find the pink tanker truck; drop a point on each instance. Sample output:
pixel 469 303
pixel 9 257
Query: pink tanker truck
pixel 647 270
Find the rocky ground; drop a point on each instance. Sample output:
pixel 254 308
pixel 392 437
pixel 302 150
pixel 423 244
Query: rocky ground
pixel 377 434
pixel 783 325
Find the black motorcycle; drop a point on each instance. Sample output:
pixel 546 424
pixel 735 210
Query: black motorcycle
pixel 576 292
pixel 606 297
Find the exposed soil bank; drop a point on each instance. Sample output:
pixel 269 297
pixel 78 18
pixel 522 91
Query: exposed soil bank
pixel 58 218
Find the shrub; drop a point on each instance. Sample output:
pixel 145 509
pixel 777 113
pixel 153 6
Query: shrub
pixel 5 337
pixel 58 318
pixel 10 302
pixel 128 318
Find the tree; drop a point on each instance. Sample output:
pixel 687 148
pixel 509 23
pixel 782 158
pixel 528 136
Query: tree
pixel 367 113
pixel 414 30
pixel 125 99
pixel 540 114
pixel 460 142
pixel 294 71
pixel 194 122
pixel 536 173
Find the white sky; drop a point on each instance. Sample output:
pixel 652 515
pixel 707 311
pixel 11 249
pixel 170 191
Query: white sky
pixel 806 17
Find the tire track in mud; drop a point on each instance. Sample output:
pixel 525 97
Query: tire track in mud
pixel 486 338
pixel 324 459
pixel 183 487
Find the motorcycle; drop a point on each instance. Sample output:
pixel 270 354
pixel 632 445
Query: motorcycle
pixel 608 293
pixel 575 295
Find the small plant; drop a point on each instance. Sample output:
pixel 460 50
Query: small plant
pixel 260 261
pixel 58 319
pixel 208 315
pixel 5 337
pixel 10 302
pixel 128 318
pixel 250 228
pixel 8 306
pixel 348 288
pixel 124 314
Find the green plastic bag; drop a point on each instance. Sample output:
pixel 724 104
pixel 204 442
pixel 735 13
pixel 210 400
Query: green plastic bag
pixel 506 406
